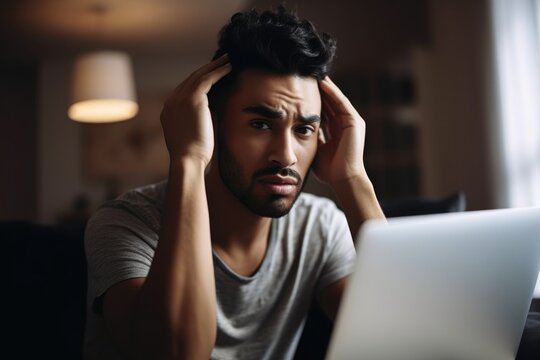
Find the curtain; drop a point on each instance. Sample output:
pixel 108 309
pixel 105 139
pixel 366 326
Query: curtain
pixel 516 46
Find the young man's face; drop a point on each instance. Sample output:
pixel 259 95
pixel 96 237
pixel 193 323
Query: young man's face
pixel 267 139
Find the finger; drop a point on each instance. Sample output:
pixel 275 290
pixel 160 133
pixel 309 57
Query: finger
pixel 211 66
pixel 208 80
pixel 336 99
pixel 194 76
pixel 328 117
pixel 335 123
pixel 321 136
pixel 326 108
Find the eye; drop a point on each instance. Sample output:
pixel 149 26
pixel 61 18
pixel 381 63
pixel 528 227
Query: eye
pixel 260 125
pixel 305 130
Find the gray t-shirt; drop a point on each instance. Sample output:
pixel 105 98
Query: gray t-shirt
pixel 258 317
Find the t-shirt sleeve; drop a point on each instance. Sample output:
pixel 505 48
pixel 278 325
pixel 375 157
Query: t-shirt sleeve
pixel 119 246
pixel 341 255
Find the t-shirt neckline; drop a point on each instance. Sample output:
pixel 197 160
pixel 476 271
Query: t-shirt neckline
pixel 264 263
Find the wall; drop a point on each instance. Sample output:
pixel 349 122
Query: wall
pixel 61 179
pixel 451 78
pixel 448 68
pixel 18 85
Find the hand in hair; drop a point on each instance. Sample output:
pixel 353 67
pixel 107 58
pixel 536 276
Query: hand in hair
pixel 186 119
pixel 341 146
pixel 339 160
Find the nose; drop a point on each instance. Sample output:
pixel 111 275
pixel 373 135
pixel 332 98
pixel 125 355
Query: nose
pixel 282 151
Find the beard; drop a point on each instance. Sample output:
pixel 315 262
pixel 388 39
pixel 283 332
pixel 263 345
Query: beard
pixel 265 205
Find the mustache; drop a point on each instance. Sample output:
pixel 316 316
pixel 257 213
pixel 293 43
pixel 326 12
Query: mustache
pixel 278 170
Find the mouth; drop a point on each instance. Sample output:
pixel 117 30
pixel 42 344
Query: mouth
pixel 279 185
pixel 278 180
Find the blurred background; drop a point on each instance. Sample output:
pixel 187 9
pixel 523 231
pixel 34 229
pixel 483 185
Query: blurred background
pixel 432 78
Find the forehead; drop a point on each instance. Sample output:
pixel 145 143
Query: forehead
pixel 290 93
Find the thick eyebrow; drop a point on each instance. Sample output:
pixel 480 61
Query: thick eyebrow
pixel 264 111
pixel 309 119
pixel 270 113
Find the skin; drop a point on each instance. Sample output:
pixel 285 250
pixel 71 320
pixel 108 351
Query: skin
pixel 257 141
pixel 269 124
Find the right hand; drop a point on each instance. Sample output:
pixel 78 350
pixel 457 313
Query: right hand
pixel 186 119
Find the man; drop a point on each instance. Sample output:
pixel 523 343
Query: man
pixel 223 261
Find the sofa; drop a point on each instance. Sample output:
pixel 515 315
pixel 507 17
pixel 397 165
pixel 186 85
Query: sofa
pixel 44 302
pixel 46 290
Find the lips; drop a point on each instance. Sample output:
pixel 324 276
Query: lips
pixel 278 180
pixel 279 185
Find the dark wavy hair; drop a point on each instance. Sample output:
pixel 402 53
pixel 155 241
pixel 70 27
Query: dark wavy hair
pixel 274 40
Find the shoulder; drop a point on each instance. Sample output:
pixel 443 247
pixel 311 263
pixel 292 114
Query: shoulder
pixel 318 229
pixel 143 204
pixel 148 198
pixel 319 214
pixel 312 205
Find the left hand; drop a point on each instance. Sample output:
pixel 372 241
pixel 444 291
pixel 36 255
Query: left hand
pixel 340 152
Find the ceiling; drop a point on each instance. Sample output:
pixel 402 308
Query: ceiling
pixel 368 31
pixel 41 27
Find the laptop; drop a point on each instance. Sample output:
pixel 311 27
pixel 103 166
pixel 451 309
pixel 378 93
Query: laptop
pixel 435 287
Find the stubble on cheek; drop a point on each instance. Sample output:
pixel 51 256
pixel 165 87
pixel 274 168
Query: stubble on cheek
pixel 247 192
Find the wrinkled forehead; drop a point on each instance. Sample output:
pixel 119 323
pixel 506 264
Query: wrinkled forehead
pixel 291 94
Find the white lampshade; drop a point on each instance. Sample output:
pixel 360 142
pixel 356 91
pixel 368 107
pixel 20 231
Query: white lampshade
pixel 103 88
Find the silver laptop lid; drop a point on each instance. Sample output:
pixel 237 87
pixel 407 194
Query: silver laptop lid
pixel 451 286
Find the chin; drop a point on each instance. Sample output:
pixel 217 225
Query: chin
pixel 273 208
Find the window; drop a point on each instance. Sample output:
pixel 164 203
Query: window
pixel 516 45
pixel 516 35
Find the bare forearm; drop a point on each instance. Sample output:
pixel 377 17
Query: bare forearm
pixel 178 299
pixel 171 314
pixel 357 198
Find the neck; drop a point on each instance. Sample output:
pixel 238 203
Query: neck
pixel 232 224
